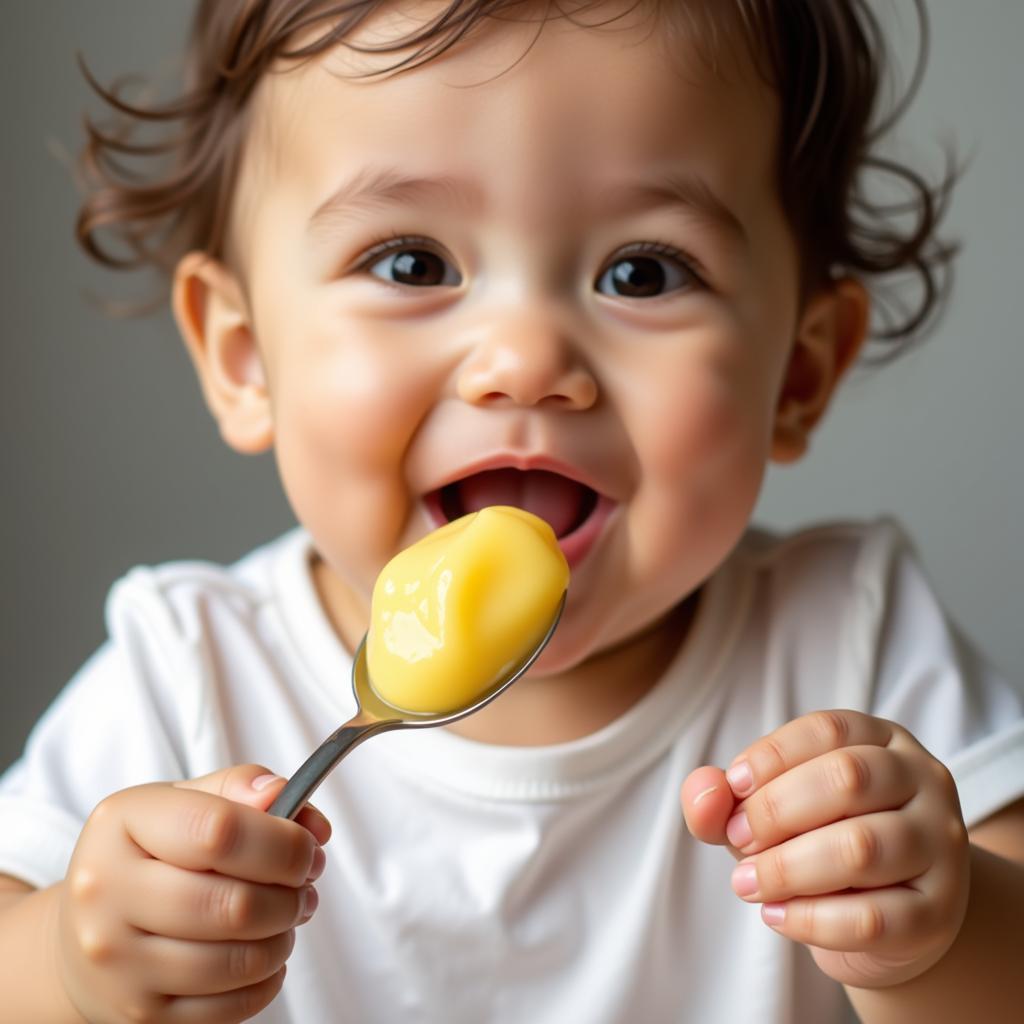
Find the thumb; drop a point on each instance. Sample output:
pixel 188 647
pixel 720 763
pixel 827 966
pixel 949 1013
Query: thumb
pixel 708 802
pixel 257 787
pixel 249 784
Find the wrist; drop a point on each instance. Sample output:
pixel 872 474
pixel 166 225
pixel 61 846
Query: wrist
pixel 978 977
pixel 30 975
pixel 64 1006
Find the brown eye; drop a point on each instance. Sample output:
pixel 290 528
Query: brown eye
pixel 641 275
pixel 419 268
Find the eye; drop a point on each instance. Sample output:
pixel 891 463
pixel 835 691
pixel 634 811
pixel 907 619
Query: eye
pixel 649 270
pixel 408 261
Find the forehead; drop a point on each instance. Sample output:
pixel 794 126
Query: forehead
pixel 523 104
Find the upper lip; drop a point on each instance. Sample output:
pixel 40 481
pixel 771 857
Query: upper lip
pixel 521 461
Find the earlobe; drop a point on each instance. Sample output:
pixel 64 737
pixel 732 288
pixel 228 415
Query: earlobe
pixel 213 318
pixel 830 335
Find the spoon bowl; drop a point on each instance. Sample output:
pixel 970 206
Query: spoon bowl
pixel 374 715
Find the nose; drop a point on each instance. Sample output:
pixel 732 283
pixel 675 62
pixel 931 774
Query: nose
pixel 526 358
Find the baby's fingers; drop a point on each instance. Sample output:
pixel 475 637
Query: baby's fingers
pixel 207 906
pixel 840 784
pixel 801 740
pixel 254 786
pixel 707 804
pixel 173 967
pixel 202 832
pixel 884 921
pixel 225 1007
pixel 869 852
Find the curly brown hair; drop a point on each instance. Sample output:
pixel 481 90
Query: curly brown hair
pixel 824 58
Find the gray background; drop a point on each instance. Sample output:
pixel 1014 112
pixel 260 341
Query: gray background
pixel 110 459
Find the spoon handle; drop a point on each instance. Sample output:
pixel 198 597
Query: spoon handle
pixel 318 765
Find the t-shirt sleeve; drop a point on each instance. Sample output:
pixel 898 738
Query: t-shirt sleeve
pixel 116 724
pixel 931 679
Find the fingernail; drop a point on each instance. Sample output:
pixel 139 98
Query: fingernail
pixel 773 913
pixel 310 901
pixel 317 867
pixel 737 828
pixel 703 793
pixel 740 778
pixel 744 879
pixel 263 781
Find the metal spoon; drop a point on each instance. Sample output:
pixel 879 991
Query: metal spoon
pixel 374 715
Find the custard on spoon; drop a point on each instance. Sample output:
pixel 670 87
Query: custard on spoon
pixel 454 620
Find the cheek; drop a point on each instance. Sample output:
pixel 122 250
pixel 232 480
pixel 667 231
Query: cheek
pixel 703 443
pixel 345 412
pixel 343 400
pixel 711 423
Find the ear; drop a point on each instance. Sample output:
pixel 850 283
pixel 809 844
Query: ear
pixel 213 318
pixel 830 334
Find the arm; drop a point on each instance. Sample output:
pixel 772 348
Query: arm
pixel 980 978
pixel 28 968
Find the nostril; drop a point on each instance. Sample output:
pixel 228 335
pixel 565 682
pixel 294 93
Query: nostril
pixel 526 369
pixel 555 398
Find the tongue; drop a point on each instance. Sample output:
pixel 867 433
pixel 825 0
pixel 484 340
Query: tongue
pixel 553 498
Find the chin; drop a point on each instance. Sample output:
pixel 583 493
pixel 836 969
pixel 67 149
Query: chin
pixel 556 658
pixel 567 650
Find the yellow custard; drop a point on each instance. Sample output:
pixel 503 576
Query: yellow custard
pixel 453 613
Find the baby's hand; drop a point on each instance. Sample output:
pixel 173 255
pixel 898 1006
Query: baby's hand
pixel 181 900
pixel 849 834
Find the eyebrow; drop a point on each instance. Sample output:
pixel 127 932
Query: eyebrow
pixel 677 188
pixel 372 188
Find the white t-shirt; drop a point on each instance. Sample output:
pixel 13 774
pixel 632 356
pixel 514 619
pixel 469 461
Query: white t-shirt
pixel 469 883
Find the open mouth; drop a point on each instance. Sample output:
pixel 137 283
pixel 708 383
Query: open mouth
pixel 565 504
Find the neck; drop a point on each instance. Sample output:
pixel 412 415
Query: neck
pixel 540 711
pixel 544 710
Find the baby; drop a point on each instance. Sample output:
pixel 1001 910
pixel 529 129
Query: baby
pixel 602 261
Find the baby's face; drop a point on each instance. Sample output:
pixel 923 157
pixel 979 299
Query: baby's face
pixel 574 269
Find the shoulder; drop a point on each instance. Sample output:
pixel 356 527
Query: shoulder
pixel 822 601
pixel 179 620
pixel 187 638
pixel 180 594
pixel 814 554
pixel 826 572
pixel 845 615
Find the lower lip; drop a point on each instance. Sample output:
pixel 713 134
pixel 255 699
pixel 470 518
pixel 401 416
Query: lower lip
pixel 575 546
